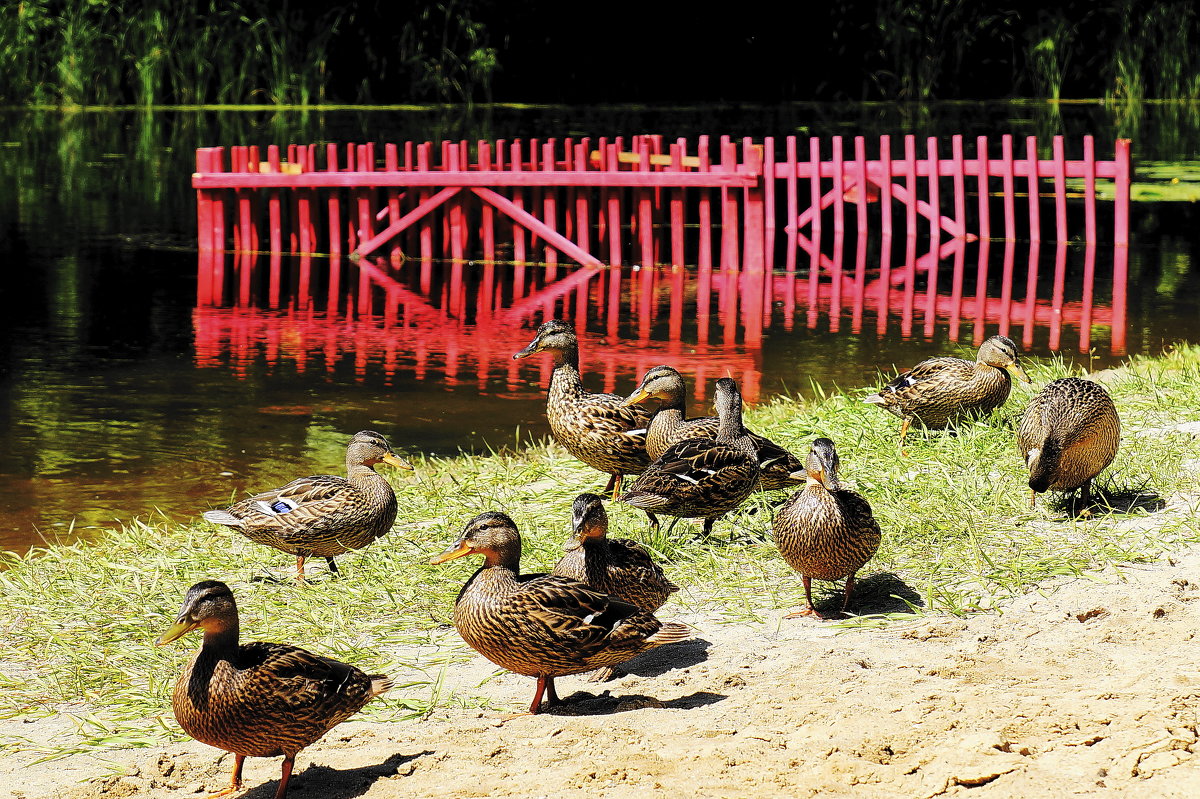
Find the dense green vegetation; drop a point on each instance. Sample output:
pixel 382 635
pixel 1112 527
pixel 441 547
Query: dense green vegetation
pixel 107 52
pixel 959 537
pixel 85 52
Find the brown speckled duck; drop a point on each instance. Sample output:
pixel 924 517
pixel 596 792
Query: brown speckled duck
pixel 825 531
pixel 619 567
pixel 598 429
pixel 258 699
pixel 1070 431
pixel 323 515
pixel 939 391
pixel 669 425
pixel 702 478
pixel 542 625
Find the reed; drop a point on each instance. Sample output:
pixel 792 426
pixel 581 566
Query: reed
pixel 105 52
pixel 1048 54
pixel 1154 57
pixel 928 45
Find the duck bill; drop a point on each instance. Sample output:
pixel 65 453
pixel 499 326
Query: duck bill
pixel 639 395
pixel 525 353
pixel 392 459
pixel 822 476
pixel 830 482
pixel 456 550
pixel 176 631
pixel 572 545
pixel 1016 371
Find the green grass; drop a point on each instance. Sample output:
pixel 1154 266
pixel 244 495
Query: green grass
pixel 78 622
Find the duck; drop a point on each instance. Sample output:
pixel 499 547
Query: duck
pixel 258 699
pixel 619 567
pixel 825 531
pixel 598 429
pixel 323 515
pixel 543 625
pixel 702 478
pixel 939 391
pixel 670 425
pixel 1069 433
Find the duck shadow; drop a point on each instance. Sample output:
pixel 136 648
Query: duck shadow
pixel 582 703
pixel 331 783
pixel 1108 501
pixel 881 593
pixel 660 660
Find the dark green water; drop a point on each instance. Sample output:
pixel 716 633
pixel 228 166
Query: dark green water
pixel 119 398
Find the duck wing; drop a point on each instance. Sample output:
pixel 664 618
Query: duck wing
pixel 635 564
pixel 602 422
pixel 301 688
pixel 295 509
pixel 583 619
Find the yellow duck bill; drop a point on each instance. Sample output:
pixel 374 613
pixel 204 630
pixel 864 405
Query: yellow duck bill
pixel 456 550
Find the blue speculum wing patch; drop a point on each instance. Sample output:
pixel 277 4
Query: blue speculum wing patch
pixel 281 507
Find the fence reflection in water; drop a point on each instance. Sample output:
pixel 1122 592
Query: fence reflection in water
pixel 458 321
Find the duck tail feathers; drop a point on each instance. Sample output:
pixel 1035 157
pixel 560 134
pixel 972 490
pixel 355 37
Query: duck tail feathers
pixel 671 632
pixel 222 517
pixel 380 683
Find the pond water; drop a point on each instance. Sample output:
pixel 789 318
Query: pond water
pixel 121 397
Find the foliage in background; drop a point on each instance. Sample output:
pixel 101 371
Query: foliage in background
pixel 441 52
pixel 1155 56
pixel 926 44
pixel 106 52
pixel 75 52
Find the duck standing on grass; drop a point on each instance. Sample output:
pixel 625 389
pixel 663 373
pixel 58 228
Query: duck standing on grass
pixel 939 391
pixel 598 429
pixel 539 625
pixel 258 699
pixel 669 425
pixel 825 531
pixel 702 478
pixel 323 516
pixel 1068 434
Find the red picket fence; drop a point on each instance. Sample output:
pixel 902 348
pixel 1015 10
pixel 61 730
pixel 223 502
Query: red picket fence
pixel 736 204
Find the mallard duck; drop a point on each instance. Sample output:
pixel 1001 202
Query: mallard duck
pixel 825 531
pixel 702 477
pixel 939 391
pixel 538 625
pixel 598 429
pixel 323 515
pixel 1070 431
pixel 669 425
pixel 258 699
pixel 619 567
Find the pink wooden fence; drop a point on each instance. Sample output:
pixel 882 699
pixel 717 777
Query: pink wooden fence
pixel 737 204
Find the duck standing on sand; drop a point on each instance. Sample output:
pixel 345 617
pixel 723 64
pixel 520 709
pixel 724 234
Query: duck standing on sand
pixel 598 429
pixel 541 625
pixel 323 515
pixel 258 699
pixel 825 531
pixel 939 391
pixel 619 567
pixel 702 478
pixel 1068 434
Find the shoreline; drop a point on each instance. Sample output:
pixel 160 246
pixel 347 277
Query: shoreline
pixel 388 613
